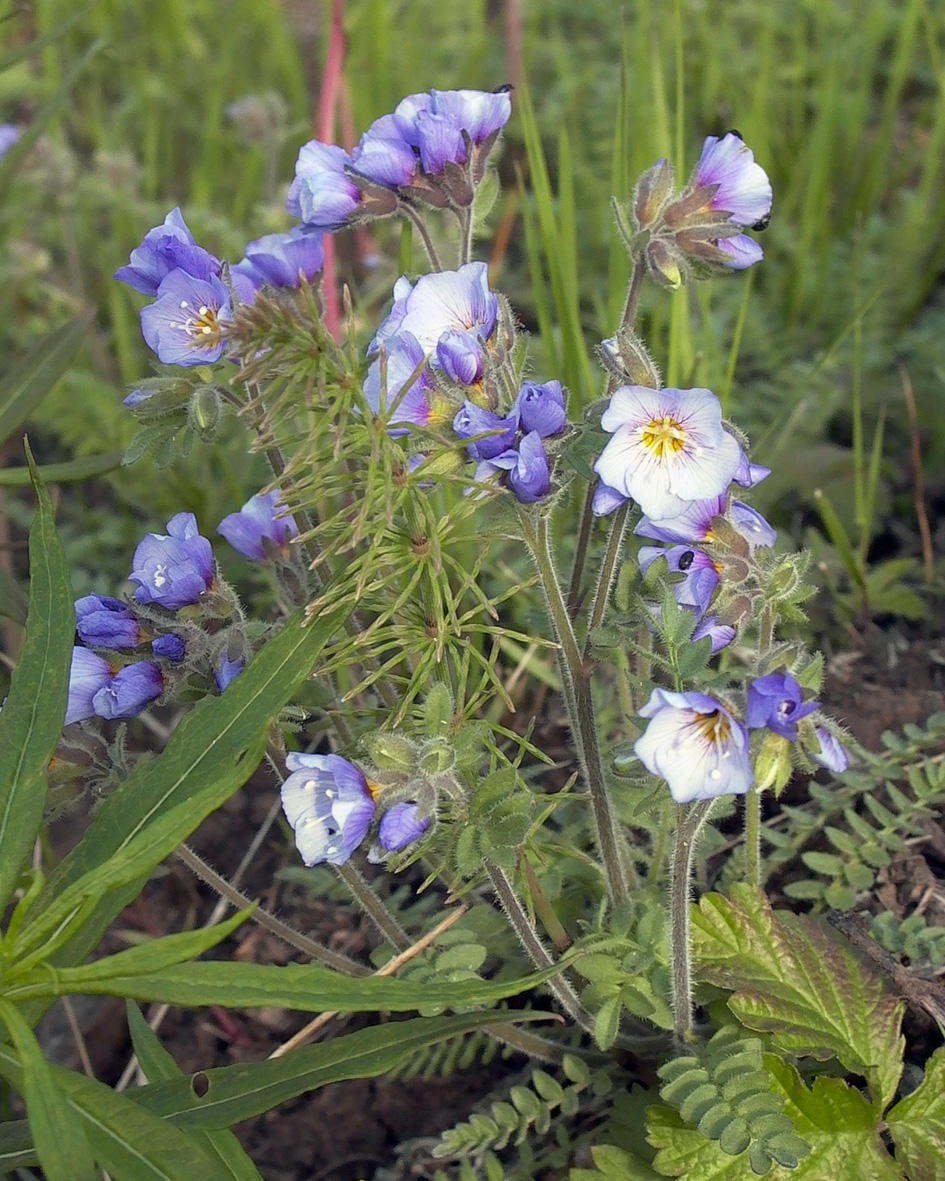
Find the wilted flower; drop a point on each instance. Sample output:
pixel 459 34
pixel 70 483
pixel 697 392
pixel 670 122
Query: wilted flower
pixel 832 753
pixel 280 259
pixel 173 569
pixel 168 247
pixel 541 407
pixel 105 622
pixel 183 325
pixel 668 448
pixel 257 522
pixel 329 804
pixel 776 701
pixel 695 744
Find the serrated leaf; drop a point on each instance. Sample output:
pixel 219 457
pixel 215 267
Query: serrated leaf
pixel 32 715
pixel 615 1164
pixel 799 981
pixel 833 1119
pixel 917 1124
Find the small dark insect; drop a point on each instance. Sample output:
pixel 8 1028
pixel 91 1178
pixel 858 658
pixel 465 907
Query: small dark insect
pixel 733 131
pixel 505 88
pixel 760 225
pixel 686 559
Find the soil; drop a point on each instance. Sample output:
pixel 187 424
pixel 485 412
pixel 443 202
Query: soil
pixel 352 1130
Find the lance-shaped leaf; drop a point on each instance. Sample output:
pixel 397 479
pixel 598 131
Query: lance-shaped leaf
pixel 34 375
pixel 61 1145
pixel 229 1094
pixel 834 1119
pixel 31 718
pixel 802 983
pixel 158 1065
pixel 16 1146
pixel 917 1124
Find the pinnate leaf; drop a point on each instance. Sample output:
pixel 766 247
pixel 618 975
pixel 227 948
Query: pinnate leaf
pixel 800 982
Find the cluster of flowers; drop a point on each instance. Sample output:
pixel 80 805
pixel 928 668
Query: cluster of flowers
pixel 331 806
pixel 171 571
pixel 192 301
pixel 432 149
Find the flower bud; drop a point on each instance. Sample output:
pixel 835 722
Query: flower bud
pixel 653 190
pixel 393 752
pixel 626 357
pixel 205 412
pixel 773 764
pixel 437 756
pixel 663 263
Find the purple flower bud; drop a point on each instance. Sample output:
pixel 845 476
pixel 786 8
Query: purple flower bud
pixel 322 195
pixel 184 326
pixel 399 827
pixel 742 250
pixel 606 500
pixel 129 691
pixel 8 137
pixel 695 744
pixel 168 247
pixel 384 160
pixel 472 420
pixel 279 259
pixel 776 701
pixel 88 674
pixel 104 622
pixel 227 671
pixel 329 804
pixel 439 140
pixel 832 753
pixel 257 521
pixel 529 476
pixel 168 647
pixel 751 525
pixel 173 569
pixel 720 634
pixel 750 474
pixel 459 355
pixel 542 407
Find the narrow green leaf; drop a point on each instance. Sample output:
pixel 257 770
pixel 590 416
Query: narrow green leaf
pixel 58 1135
pixel 305 987
pixel 158 1066
pixel 30 48
pixel 63 473
pixel 798 980
pixel 31 718
pixel 838 535
pixel 917 1124
pixel 229 1094
pixel 29 381
pixel 13 600
pixel 16 1146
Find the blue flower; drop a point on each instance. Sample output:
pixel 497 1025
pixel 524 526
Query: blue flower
pixel 228 670
pixel 742 188
pixel 529 476
pixel 279 259
pixel 96 688
pixel 383 158
pixel 257 523
pixel 701 574
pixel 184 325
pixel 751 525
pixel 542 407
pixel 168 647
pixel 329 804
pixel 472 420
pixel 411 403
pixel 173 569
pixel 168 247
pixel 399 827
pixel 743 251
pixel 776 701
pixel 440 303
pixel 322 195
pixel 668 448
pixel 459 355
pixel 129 691
pixel 434 123
pixel 720 634
pixel 105 622
pixel 695 744
pixel 832 753
pixel 9 134
pixel 692 523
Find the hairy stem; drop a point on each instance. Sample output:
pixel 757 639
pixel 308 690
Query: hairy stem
pixel 633 295
pixel 753 836
pixel 425 238
pixel 580 707
pixel 605 580
pixel 324 955
pixel 689 822
pixel 580 550
pixel 376 911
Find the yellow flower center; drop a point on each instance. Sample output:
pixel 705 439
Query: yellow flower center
pixel 200 322
pixel 663 435
pixel 714 727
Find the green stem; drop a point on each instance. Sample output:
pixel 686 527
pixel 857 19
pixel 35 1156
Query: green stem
pixel 376 911
pixel 605 579
pixel 580 552
pixel 689 822
pixel 633 295
pixel 424 237
pixel 466 235
pixel 753 837
pixel 577 696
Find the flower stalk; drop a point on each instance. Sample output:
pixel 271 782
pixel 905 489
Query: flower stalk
pixel 689 822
